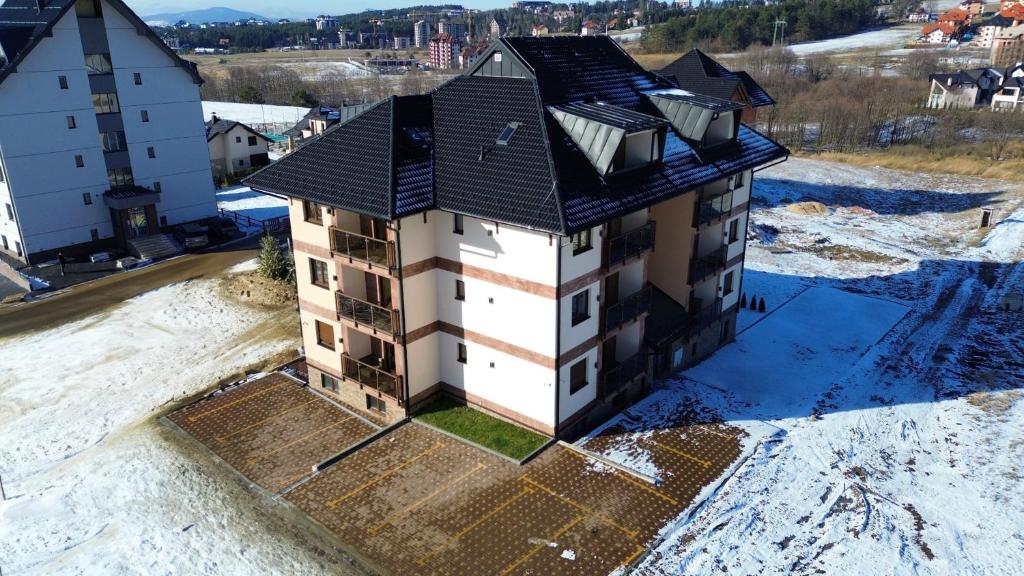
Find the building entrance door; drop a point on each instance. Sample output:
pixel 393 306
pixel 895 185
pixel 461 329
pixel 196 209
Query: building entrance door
pixel 137 223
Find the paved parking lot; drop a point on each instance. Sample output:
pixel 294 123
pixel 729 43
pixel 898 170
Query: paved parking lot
pixel 416 501
pixel 272 430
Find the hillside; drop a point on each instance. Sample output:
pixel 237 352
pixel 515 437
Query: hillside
pixel 216 14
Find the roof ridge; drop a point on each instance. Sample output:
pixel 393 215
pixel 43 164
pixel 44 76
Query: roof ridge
pixel 542 114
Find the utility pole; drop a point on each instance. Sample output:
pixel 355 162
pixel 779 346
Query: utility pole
pixel 779 24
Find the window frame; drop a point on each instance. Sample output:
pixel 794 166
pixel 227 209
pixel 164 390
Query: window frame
pixel 579 317
pixel 315 268
pixel 151 151
pixel 106 67
pixel 87 198
pixel 727 282
pixel 10 211
pixel 460 290
pixel 575 386
pixel 72 123
pixel 734 230
pixel 79 161
pixel 579 246
pixel 62 81
pixel 458 224
pixel 238 139
pixel 328 382
pixel 145 116
pixel 319 326
pixel 105 103
pixel 376 404
pixel 462 354
pixel 252 141
pixel 137 78
pixel 312 212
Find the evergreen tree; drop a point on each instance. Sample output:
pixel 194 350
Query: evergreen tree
pixel 273 263
pixel 760 305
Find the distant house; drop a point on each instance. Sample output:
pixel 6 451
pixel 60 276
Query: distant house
pixel 539 30
pixel 326 23
pixel 697 72
pixel 919 15
pixel 956 17
pixel 402 42
pixel 590 28
pixel 444 51
pixel 939 32
pixel 497 28
pixel 234 147
pixel 973 7
pixel 1008 46
pixel 964 88
pixel 1014 12
pixel 1010 95
pixel 470 54
pixel 991 27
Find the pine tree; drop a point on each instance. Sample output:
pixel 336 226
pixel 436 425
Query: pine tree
pixel 743 301
pixel 273 263
pixel 760 305
pixel 753 302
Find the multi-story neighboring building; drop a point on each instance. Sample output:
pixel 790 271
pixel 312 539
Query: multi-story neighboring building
pixel 497 28
pixel 421 33
pixel 526 237
pixel 326 23
pixel 402 43
pixel 101 130
pixel 1008 47
pixel 444 51
pixel 457 29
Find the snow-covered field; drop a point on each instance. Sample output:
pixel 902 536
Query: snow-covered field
pixel 96 486
pixel 245 200
pixel 897 457
pixel 256 115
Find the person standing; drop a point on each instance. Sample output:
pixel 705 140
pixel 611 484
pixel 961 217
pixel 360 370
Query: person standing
pixel 63 262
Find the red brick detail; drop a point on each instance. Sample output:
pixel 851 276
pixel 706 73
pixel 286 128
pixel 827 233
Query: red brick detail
pixel 578 351
pixel 482 339
pixel 317 309
pixel 315 250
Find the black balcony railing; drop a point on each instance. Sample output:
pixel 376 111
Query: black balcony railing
pixel 372 251
pixel 713 207
pixel 369 375
pixel 705 316
pixel 624 372
pixel 627 309
pixel 629 244
pixel 708 265
pixel 364 313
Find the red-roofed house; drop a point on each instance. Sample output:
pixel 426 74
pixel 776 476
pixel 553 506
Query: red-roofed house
pixel 939 33
pixel 590 28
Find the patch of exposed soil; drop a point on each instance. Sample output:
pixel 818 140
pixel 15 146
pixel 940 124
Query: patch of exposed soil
pixel 811 208
pixel 255 290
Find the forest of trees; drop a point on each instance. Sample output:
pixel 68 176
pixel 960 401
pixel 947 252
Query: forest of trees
pixel 734 27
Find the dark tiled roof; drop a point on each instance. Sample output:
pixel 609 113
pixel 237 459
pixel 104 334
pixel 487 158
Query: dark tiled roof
pixel 614 116
pixel 574 69
pixel 440 150
pixel 377 163
pixel 223 126
pixel 708 102
pixel 23 25
pixel 697 72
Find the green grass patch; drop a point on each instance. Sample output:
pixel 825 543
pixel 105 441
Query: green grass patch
pixel 484 429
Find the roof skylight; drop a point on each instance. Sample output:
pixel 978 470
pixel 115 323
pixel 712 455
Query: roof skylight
pixel 506 134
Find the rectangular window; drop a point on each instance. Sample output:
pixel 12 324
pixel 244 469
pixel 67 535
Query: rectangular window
pixel 460 290
pixel 461 353
pixel 238 139
pixel 325 335
pixel 10 212
pixel 252 140
pixel 727 284
pixel 578 376
pixel 151 152
pixel 580 307
pixel 98 64
pixel 163 220
pixel 581 242
pixel 737 180
pixel 79 161
pixel 156 187
pixel 71 123
pixel 63 81
pixel 17 248
pixel 734 230
pixel 120 177
pixel 2 176
pixel 86 198
pixel 318 272
pixel 113 141
pixel 374 403
pixel 145 115
pixel 457 224
pixel 94 234
pixel 311 212
pixel 105 103
pixel 3 240
pixel 329 382
pixel 137 78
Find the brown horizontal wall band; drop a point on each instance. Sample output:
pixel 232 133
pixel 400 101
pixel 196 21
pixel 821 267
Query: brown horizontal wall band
pixel 483 340
pixel 497 278
pixel 326 313
pixel 313 249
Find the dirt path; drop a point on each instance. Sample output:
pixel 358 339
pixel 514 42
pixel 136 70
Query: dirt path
pixel 93 297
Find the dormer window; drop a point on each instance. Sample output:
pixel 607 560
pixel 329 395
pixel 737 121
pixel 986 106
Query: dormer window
pixel 507 133
pixel 702 121
pixel 613 138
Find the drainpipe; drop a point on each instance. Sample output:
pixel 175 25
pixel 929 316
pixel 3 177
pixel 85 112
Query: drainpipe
pixel 401 302
pixel 558 329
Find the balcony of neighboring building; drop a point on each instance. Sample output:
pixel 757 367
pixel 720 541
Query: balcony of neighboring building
pixel 714 203
pixel 708 265
pixel 623 246
pixel 623 373
pixel 363 242
pixel 623 358
pixel 364 302
pixel 625 298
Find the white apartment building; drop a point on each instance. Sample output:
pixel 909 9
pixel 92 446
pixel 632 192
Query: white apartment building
pixel 421 33
pixel 530 238
pixel 101 129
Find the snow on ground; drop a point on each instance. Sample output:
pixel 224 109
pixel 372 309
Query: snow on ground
pixel 245 200
pixel 316 70
pixel 255 115
pixel 898 457
pixel 96 486
pixel 886 37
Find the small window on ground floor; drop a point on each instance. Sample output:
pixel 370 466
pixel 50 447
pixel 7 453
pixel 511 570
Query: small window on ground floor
pixel 95 234
pixel 329 382
pixel 375 403
pixel 578 376
pixel 325 335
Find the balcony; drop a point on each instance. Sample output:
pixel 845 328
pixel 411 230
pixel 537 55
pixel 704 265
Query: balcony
pixel 627 309
pixel 704 317
pixel 367 314
pixel 620 375
pixel 629 245
pixel 367 374
pixel 372 252
pixel 708 265
pixel 713 207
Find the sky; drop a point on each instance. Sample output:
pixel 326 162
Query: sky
pixel 293 8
